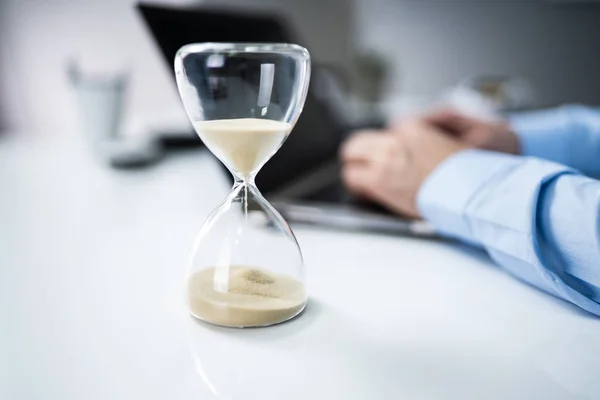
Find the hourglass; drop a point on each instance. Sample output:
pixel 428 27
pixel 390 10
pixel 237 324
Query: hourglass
pixel 246 268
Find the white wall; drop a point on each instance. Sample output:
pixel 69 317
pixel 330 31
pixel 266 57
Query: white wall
pixel 436 43
pixel 37 37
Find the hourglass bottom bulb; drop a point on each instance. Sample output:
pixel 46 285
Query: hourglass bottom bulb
pixel 251 297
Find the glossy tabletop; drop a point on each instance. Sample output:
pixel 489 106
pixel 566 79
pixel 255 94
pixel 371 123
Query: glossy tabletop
pixel 92 262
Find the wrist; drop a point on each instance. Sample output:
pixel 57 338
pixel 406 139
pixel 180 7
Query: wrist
pixel 511 143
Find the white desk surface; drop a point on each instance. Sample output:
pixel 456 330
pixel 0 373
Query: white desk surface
pixel 92 262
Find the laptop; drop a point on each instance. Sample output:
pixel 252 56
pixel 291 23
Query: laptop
pixel 302 180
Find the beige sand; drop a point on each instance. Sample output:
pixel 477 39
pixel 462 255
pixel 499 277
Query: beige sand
pixel 245 143
pixel 254 297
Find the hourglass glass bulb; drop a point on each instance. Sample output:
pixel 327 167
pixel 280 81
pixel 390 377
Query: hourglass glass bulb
pixel 246 268
pixel 250 266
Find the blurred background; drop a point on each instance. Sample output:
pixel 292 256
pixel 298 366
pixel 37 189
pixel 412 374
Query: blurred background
pixel 92 259
pixel 409 53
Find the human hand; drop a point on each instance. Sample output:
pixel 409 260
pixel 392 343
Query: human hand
pixel 495 136
pixel 389 167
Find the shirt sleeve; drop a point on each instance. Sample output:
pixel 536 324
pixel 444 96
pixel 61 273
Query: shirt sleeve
pixel 539 220
pixel 568 135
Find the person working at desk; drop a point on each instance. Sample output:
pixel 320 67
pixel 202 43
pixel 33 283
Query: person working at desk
pixel 522 189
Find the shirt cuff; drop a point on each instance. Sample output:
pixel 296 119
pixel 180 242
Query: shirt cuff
pixel 542 134
pixel 447 191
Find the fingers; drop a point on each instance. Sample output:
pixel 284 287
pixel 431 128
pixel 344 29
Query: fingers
pixel 363 156
pixel 368 159
pixel 364 146
pixel 359 178
pixel 449 121
pixel 385 176
pixel 416 130
pixel 443 115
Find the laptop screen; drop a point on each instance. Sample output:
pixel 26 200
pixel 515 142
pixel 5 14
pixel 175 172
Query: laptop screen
pixel 317 135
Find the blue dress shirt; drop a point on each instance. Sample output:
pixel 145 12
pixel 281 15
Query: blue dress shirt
pixel 537 216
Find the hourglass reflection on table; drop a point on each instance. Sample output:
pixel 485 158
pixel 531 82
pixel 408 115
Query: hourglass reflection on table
pixel 246 268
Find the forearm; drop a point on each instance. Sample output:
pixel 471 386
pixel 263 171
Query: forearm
pixel 524 212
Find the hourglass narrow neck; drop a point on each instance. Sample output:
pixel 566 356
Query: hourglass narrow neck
pixel 243 181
